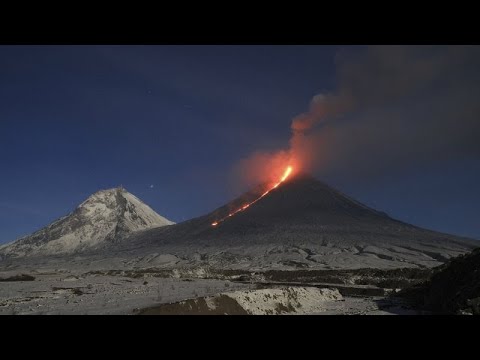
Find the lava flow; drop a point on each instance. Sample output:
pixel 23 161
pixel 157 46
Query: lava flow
pixel 286 174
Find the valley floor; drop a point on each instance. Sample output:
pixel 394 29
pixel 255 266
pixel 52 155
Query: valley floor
pixel 66 292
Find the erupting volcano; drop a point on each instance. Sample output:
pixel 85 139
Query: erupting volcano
pixel 300 222
pixel 286 174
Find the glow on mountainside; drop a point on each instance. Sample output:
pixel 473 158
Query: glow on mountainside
pixel 286 174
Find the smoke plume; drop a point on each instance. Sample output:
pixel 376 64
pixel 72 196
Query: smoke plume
pixel 394 107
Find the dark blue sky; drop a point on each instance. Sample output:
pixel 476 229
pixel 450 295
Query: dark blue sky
pixel 76 119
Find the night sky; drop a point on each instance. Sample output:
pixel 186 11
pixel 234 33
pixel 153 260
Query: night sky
pixel 170 123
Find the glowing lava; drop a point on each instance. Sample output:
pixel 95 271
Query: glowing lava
pixel 286 174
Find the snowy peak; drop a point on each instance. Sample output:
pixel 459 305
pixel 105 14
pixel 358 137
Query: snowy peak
pixel 108 196
pixel 130 212
pixel 107 216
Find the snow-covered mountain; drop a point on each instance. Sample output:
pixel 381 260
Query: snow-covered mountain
pixel 105 217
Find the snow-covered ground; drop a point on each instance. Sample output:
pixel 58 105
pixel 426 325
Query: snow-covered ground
pixel 77 293
pixel 284 301
pixel 61 291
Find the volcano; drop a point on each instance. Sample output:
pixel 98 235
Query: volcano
pixel 302 223
pixel 104 218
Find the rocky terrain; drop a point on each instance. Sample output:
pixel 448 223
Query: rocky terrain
pixel 453 288
pixel 181 291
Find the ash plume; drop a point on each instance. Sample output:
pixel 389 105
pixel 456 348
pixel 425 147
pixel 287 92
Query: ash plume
pixel 394 107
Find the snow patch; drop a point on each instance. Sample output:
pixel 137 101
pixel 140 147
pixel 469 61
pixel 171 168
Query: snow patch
pixel 299 300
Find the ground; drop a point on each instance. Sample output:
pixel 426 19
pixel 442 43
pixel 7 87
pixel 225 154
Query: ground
pixel 175 292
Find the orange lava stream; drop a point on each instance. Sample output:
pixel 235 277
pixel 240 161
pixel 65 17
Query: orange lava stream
pixel 286 174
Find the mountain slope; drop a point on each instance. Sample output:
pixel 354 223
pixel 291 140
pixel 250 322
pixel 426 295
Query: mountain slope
pixel 105 217
pixel 303 223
